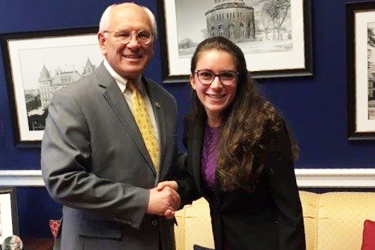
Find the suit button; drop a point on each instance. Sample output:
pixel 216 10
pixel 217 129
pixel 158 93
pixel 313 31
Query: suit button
pixel 154 222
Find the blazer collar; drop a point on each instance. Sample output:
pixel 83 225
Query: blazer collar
pixel 197 138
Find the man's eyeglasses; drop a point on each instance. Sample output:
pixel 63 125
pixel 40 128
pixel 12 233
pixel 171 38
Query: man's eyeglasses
pixel 144 37
pixel 206 77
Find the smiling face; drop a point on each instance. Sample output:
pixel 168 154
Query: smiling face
pixel 215 97
pixel 131 59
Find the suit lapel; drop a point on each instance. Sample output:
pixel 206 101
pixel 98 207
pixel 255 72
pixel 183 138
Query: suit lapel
pixel 120 107
pixel 196 152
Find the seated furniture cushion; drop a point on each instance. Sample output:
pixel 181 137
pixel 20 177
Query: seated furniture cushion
pixel 340 219
pixel 368 242
pixel 333 220
pixel 194 226
pixel 310 203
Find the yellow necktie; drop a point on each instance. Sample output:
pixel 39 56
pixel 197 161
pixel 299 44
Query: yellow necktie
pixel 143 119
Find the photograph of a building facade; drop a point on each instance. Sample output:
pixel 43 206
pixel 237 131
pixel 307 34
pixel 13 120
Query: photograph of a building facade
pixel 257 26
pixel 49 81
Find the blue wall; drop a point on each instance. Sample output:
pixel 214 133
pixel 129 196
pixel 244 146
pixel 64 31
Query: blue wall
pixel 315 107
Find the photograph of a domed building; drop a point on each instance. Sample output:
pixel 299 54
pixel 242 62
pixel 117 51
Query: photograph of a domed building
pixel 257 26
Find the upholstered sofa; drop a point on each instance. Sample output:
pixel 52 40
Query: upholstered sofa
pixel 333 221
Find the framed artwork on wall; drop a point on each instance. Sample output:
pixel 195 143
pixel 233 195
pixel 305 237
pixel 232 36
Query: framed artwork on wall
pixel 39 63
pixel 360 39
pixel 275 35
pixel 8 213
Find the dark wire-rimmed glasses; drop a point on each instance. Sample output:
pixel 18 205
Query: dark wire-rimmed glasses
pixel 206 77
pixel 144 37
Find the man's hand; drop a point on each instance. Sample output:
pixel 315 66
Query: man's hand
pixel 163 202
pixel 169 214
pixel 171 184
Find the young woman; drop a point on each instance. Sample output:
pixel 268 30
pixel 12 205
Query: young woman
pixel 239 155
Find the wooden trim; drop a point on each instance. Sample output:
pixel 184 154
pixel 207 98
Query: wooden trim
pixel 306 178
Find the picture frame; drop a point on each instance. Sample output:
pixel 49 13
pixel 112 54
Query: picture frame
pixel 8 213
pixel 283 51
pixel 38 63
pixel 360 40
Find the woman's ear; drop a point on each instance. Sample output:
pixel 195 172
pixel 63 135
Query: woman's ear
pixel 192 82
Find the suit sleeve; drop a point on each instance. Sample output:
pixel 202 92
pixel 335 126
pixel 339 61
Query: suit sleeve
pixel 283 187
pixel 65 160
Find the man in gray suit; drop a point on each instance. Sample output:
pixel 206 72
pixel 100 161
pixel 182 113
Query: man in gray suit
pixel 94 159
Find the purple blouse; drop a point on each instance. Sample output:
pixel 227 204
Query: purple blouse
pixel 209 156
pixel 211 138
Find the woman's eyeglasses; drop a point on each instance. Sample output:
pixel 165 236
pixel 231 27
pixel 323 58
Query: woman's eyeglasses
pixel 206 77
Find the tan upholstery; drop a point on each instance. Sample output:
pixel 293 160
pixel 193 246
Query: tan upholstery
pixel 194 226
pixel 333 221
pixel 310 214
pixel 341 217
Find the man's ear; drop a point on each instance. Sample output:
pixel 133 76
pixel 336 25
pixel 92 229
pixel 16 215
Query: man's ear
pixel 102 39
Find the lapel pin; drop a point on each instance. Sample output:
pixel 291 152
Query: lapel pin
pixel 157 105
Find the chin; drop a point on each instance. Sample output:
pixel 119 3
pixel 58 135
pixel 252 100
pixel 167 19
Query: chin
pixel 131 71
pixel 216 110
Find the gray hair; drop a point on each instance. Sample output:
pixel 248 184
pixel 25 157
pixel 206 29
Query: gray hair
pixel 104 20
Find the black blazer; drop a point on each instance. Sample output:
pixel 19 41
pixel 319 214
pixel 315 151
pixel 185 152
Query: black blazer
pixel 270 218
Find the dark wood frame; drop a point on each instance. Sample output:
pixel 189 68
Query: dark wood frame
pixel 7 38
pixel 351 10
pixel 307 70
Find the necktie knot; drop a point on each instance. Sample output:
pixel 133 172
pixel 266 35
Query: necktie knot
pixel 133 86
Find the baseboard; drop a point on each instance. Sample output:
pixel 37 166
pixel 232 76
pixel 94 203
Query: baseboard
pixel 306 178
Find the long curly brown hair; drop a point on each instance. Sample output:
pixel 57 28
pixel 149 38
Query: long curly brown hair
pixel 242 147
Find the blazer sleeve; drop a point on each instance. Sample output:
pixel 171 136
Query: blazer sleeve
pixel 283 187
pixel 65 161
pixel 183 173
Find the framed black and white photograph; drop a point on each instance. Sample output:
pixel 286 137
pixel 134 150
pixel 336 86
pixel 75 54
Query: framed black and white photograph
pixel 275 35
pixel 39 63
pixel 8 213
pixel 361 70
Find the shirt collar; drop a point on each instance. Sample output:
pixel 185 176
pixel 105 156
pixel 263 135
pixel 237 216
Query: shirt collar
pixel 121 81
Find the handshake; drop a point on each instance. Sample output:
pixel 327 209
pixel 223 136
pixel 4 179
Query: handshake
pixel 164 199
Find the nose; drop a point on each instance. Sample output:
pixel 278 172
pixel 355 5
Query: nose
pixel 133 43
pixel 216 83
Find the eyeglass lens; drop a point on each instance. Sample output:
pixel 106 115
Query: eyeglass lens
pixel 143 36
pixel 226 77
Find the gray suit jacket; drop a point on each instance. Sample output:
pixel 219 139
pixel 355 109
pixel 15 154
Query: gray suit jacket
pixel 95 163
